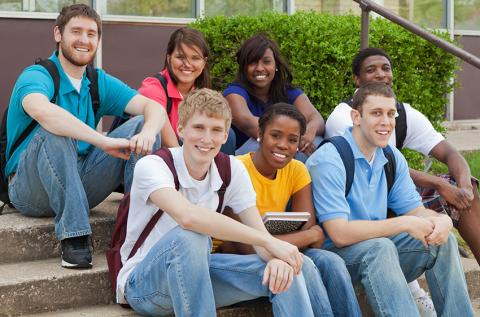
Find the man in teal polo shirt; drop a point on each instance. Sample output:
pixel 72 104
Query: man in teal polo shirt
pixel 384 254
pixel 65 167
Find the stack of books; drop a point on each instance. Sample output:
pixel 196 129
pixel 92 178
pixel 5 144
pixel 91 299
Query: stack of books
pixel 284 222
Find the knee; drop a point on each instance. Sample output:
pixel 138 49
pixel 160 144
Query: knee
pixel 53 140
pixel 381 251
pixel 309 269
pixel 196 244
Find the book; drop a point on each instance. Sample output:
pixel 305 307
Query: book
pixel 284 222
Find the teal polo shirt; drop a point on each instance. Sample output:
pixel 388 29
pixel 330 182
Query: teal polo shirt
pixel 114 96
pixel 368 198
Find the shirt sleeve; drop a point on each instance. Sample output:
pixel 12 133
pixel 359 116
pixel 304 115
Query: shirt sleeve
pixel 152 88
pixel 235 88
pixel 300 176
pixel 35 79
pixel 338 121
pixel 114 94
pixel 240 194
pixel 150 174
pixel 403 196
pixel 293 94
pixel 421 135
pixel 328 184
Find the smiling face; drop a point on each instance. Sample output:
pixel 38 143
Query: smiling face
pixel 187 64
pixel 79 41
pixel 261 73
pixel 374 69
pixel 374 122
pixel 202 138
pixel 279 141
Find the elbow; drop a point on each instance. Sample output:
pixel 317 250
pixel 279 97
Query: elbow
pixel 339 241
pixel 187 222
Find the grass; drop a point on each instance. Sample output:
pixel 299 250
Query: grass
pixel 473 160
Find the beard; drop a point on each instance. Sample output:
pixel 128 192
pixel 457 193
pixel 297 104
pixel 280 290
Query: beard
pixel 69 54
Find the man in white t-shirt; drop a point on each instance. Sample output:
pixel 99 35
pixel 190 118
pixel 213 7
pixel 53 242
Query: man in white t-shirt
pixel 458 192
pixel 174 272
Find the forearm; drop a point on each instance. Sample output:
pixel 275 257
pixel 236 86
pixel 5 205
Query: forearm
pixel 315 124
pixel 301 239
pixel 425 180
pixel 154 117
pixel 169 138
pixel 459 169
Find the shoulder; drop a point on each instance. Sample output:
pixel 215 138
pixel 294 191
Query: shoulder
pixel 338 120
pixel 235 88
pixel 325 154
pixel 293 94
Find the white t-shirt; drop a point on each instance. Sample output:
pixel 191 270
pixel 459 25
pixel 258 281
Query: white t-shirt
pixel 152 173
pixel 76 83
pixel 421 136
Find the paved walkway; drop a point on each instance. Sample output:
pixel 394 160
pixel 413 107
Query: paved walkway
pixel 464 135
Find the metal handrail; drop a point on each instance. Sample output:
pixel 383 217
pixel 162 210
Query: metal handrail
pixel 369 5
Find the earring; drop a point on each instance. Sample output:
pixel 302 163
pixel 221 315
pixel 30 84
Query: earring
pixel 297 149
pixel 258 140
pixel 276 69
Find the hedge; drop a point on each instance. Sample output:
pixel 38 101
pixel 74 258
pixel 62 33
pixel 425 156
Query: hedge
pixel 319 49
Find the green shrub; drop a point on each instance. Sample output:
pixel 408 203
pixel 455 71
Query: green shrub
pixel 320 48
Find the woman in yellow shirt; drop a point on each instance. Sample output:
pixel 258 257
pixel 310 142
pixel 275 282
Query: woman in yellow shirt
pixel 278 178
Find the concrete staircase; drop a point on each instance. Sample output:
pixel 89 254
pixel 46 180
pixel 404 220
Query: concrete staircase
pixel 33 283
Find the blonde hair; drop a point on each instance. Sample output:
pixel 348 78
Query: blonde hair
pixel 205 101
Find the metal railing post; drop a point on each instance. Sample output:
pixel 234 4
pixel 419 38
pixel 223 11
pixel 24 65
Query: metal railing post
pixel 365 26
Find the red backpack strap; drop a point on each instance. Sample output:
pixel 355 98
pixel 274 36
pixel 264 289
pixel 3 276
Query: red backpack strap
pixel 166 155
pixel 224 169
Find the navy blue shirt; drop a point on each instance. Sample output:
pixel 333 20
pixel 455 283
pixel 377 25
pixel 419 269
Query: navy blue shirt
pixel 256 108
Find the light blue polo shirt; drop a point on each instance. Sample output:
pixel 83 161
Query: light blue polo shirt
pixel 114 96
pixel 367 199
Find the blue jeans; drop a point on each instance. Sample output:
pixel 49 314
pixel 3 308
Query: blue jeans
pixel 384 266
pixel 251 145
pixel 52 180
pixel 179 275
pixel 337 282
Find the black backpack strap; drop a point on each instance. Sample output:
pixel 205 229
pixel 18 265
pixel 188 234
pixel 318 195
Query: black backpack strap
pixel 400 125
pixel 348 101
pixel 224 169
pixel 166 155
pixel 50 66
pixel 163 82
pixel 92 76
pixel 346 154
pixel 390 167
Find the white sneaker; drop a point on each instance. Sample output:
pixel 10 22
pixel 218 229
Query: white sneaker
pixel 424 304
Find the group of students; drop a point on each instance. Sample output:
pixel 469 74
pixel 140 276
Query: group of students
pixel 65 167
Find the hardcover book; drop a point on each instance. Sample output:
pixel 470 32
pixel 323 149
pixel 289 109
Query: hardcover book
pixel 284 222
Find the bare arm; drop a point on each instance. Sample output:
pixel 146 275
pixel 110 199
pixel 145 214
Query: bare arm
pixel 242 118
pixel 169 138
pixel 344 233
pixel 209 222
pixel 315 123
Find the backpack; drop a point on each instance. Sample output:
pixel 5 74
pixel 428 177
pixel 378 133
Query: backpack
pixel 163 81
pixel 346 154
pixel 50 66
pixel 400 123
pixel 114 260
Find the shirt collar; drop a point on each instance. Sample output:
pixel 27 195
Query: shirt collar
pixel 357 154
pixel 184 177
pixel 65 83
pixel 171 88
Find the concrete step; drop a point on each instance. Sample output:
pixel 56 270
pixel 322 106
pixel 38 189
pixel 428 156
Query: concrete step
pixel 30 239
pixel 44 286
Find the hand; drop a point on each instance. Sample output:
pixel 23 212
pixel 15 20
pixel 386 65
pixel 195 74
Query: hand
pixel 116 147
pixel 306 143
pixel 286 252
pixel 142 143
pixel 443 225
pixel 278 275
pixel 320 237
pixel 419 228
pixel 461 198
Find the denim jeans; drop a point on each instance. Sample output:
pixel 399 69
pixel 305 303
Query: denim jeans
pixel 179 275
pixel 251 145
pixel 337 282
pixel 52 180
pixel 384 266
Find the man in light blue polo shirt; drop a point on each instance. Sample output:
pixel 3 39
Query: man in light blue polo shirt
pixel 65 167
pixel 384 254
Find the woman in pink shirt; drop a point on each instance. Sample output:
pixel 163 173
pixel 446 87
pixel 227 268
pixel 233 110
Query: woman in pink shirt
pixel 185 69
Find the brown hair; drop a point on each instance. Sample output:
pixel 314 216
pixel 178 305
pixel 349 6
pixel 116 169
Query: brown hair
pixel 206 101
pixel 77 10
pixel 371 89
pixel 191 38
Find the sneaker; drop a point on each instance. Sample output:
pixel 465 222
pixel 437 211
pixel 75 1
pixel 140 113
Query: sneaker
pixel 424 304
pixel 76 253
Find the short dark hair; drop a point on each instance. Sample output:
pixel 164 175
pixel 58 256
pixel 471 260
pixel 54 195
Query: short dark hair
pixel 282 109
pixel 371 89
pixel 189 37
pixel 78 10
pixel 364 54
pixel 251 51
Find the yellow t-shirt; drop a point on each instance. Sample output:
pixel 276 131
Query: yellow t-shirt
pixel 273 194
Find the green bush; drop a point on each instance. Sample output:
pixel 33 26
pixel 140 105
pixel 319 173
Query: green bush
pixel 320 48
